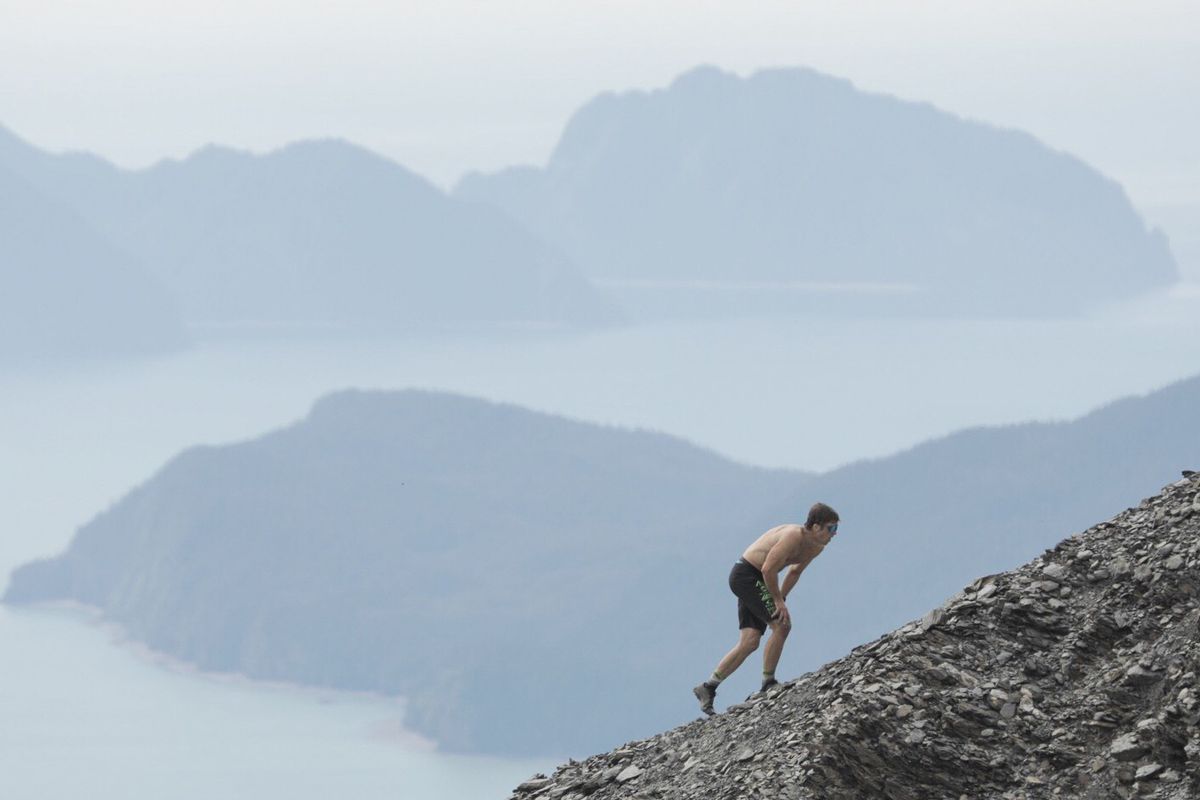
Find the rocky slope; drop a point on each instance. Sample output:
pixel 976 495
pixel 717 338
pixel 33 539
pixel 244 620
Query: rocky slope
pixel 1072 676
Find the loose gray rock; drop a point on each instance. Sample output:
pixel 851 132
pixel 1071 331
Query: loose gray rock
pixel 1139 676
pixel 534 784
pixel 1127 748
pixel 1147 771
pixel 628 774
pixel 1055 572
pixel 997 693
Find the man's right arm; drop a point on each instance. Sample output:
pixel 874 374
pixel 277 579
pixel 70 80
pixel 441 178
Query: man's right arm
pixel 789 580
pixel 794 573
pixel 774 562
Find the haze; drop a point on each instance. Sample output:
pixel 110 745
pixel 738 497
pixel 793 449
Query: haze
pixel 448 86
pixel 679 218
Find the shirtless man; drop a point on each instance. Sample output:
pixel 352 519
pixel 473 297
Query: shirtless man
pixel 754 579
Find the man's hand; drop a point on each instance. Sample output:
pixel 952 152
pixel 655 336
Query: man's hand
pixel 782 615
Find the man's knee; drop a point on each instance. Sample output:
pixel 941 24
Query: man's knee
pixel 750 641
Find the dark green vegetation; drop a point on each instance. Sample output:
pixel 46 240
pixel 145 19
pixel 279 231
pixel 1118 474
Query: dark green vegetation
pixel 537 585
pixel 794 176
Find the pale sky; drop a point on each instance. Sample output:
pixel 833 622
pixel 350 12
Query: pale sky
pixel 448 86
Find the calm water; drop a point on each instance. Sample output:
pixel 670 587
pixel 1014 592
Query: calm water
pixel 83 715
pixel 85 718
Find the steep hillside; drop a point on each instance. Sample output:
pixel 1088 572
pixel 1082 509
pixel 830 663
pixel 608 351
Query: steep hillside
pixel 977 501
pixel 1072 676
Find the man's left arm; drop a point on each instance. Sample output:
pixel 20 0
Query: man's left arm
pixel 793 575
pixel 789 580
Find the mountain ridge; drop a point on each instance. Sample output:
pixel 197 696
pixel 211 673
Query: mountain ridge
pixel 320 233
pixel 67 293
pixel 790 176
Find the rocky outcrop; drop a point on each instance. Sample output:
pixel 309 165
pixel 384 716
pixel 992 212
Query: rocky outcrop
pixel 1072 676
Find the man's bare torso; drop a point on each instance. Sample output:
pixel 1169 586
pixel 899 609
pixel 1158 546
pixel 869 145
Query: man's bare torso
pixel 799 546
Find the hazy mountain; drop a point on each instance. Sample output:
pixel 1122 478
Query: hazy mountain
pixel 65 291
pixel 318 233
pixel 791 176
pixel 538 585
pixel 1072 676
pixel 509 572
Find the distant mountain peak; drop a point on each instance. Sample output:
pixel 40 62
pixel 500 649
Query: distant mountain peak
pixel 704 75
pixel 710 76
pixel 790 177
pixel 318 233
pixel 14 148
pixel 8 136
pixel 328 148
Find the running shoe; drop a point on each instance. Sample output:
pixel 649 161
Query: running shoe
pixel 706 693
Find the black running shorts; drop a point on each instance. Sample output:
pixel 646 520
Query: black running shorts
pixel 756 609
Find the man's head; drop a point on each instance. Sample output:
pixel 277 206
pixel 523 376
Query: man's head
pixel 823 521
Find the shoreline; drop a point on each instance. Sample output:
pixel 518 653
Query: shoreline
pixel 390 729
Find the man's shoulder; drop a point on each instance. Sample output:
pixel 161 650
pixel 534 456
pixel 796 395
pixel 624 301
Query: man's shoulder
pixel 795 537
pixel 786 531
pixel 809 541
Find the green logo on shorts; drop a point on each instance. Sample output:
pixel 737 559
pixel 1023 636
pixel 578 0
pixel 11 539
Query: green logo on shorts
pixel 765 594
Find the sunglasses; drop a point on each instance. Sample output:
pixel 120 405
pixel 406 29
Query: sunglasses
pixel 833 528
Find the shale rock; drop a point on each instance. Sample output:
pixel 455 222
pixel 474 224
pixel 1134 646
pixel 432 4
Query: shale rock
pixel 1072 676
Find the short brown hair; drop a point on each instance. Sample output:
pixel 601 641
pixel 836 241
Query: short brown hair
pixel 820 514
